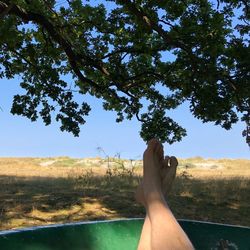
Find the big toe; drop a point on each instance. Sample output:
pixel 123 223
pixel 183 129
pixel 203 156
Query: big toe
pixel 152 146
pixel 153 143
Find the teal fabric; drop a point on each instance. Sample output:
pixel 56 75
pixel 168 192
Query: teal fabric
pixel 117 235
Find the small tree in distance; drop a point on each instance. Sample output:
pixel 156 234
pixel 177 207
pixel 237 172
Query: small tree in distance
pixel 114 51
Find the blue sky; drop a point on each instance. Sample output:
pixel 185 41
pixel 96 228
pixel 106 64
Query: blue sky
pixel 21 137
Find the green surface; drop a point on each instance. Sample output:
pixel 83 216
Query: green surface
pixel 116 235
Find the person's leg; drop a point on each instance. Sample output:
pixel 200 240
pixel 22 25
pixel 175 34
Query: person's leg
pixel 168 173
pixel 160 230
pixel 145 239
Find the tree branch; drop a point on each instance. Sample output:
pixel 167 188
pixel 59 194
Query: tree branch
pixel 142 16
pixel 72 56
pixel 131 50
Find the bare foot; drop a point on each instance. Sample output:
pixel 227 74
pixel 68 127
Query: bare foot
pixel 167 174
pixel 152 164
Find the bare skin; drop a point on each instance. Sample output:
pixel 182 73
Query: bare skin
pixel 161 230
pixel 168 172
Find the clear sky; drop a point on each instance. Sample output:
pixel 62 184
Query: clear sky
pixel 21 137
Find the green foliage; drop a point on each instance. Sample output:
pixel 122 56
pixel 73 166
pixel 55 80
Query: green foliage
pixel 116 54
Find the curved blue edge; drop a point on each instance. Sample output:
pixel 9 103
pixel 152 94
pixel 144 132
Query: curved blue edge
pixel 204 235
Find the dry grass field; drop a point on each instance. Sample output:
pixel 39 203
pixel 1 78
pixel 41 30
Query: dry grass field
pixel 39 191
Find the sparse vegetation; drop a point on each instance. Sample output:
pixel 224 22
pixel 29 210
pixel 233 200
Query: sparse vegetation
pixel 66 190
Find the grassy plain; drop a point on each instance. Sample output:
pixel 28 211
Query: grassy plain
pixel 39 191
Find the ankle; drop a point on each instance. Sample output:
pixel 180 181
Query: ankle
pixel 152 196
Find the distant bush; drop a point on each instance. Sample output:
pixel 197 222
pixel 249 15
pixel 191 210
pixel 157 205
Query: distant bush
pixel 214 167
pixel 190 165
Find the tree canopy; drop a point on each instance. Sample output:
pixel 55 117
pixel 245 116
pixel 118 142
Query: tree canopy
pixel 142 58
